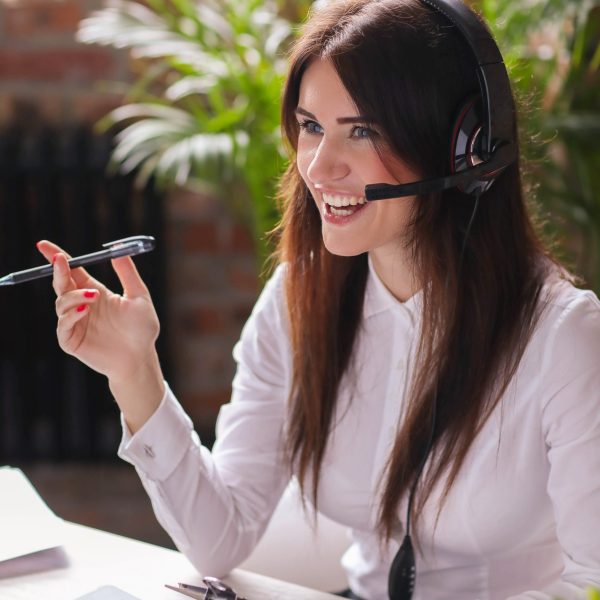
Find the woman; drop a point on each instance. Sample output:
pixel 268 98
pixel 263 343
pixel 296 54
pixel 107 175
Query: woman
pixel 429 327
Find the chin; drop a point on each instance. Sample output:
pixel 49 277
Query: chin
pixel 344 249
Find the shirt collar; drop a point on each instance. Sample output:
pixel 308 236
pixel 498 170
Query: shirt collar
pixel 379 299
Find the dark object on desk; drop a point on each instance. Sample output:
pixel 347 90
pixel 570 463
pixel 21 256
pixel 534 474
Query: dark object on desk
pixel 348 593
pixel 108 592
pixel 215 590
pixel 130 246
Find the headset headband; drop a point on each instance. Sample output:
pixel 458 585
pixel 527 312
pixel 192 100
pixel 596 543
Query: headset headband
pixel 491 73
pixel 498 145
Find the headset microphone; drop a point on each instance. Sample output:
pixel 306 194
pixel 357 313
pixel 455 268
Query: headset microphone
pixel 483 140
pixel 485 171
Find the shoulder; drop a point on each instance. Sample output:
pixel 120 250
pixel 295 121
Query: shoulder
pixel 274 287
pixel 565 364
pixel 269 314
pixel 271 300
pixel 568 310
pixel 568 332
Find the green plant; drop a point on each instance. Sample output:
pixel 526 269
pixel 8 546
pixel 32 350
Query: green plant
pixel 204 111
pixel 552 50
pixel 593 594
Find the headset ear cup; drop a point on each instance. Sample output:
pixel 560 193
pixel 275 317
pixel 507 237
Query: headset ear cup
pixel 467 143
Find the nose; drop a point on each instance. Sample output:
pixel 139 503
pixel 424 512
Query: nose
pixel 328 163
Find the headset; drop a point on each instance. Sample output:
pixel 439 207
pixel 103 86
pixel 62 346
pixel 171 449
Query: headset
pixel 482 145
pixel 483 141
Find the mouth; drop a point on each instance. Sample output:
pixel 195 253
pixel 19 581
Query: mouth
pixel 342 206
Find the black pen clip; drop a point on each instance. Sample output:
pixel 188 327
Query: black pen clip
pixel 146 242
pixel 215 590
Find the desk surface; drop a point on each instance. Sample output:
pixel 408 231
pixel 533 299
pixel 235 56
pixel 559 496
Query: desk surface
pixel 93 558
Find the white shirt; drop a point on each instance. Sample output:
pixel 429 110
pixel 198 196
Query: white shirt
pixel 522 520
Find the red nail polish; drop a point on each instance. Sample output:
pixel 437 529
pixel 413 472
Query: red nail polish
pixel 81 307
pixel 54 258
pixel 89 294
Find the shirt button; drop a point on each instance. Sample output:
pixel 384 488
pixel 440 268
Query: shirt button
pixel 148 451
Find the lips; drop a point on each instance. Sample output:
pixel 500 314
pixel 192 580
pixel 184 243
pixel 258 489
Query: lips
pixel 343 214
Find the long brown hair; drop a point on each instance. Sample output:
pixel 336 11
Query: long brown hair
pixel 403 64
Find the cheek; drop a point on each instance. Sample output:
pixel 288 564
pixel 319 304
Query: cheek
pixel 302 165
pixel 395 218
pixel 304 155
pixel 303 160
pixel 391 218
pixel 372 170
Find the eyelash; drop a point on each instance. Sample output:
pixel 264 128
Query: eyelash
pixel 307 124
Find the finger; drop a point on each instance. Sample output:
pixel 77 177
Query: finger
pixel 133 284
pixel 66 324
pixel 74 299
pixel 49 250
pixel 62 281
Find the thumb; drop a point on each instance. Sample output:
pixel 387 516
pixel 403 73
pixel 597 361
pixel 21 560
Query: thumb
pixel 133 284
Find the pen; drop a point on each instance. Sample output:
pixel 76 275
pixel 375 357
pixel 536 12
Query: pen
pixel 131 246
pixel 192 591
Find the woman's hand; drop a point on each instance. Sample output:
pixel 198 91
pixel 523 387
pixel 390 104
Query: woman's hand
pixel 111 333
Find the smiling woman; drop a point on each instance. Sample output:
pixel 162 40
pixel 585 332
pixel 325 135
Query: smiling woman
pixel 337 159
pixel 421 364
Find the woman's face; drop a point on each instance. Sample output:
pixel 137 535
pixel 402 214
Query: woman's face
pixel 336 160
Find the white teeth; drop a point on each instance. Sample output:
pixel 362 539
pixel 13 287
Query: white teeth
pixel 340 212
pixel 343 200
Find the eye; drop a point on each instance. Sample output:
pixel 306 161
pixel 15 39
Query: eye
pixel 360 131
pixel 310 126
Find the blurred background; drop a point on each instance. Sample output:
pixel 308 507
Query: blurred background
pixel 161 117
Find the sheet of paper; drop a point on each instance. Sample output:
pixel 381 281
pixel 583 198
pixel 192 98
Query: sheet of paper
pixel 26 522
pixel 108 592
pixel 52 585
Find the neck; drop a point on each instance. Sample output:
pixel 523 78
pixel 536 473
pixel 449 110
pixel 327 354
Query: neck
pixel 396 272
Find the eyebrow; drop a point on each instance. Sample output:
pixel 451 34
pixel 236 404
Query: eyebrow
pixel 341 120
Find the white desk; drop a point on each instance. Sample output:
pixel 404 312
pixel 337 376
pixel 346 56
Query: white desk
pixel 93 558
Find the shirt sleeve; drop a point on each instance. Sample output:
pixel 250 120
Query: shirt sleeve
pixel 571 426
pixel 216 505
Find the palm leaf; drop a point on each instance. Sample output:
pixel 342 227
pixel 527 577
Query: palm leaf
pixel 210 109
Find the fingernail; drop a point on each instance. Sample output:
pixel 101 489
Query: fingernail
pixel 54 258
pixel 89 294
pixel 38 244
pixel 81 307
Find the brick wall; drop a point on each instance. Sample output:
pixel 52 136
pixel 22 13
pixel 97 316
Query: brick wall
pixel 44 72
pixel 46 76
pixel 212 274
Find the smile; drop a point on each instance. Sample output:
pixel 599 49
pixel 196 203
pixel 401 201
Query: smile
pixel 342 206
